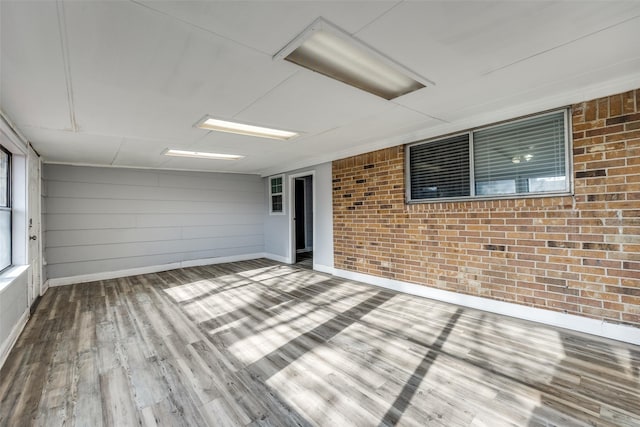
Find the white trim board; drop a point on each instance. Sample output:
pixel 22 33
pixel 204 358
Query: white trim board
pixel 325 269
pixel 279 258
pixel 106 275
pixel 572 322
pixel 7 345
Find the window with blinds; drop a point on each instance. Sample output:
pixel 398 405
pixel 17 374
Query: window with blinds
pixel 521 157
pixel 440 168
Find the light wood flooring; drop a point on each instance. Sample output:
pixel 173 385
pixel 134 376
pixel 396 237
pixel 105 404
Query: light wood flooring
pixel 258 343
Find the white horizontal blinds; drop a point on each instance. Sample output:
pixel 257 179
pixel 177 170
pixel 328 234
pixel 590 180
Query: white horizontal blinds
pixel 440 168
pixel 527 156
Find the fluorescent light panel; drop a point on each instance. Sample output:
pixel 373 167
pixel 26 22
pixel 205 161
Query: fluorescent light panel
pixel 210 123
pixel 330 51
pixel 201 155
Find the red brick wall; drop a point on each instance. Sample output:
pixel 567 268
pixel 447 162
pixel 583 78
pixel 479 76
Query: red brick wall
pixel 578 254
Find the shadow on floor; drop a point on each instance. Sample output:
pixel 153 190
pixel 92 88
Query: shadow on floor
pixel 403 400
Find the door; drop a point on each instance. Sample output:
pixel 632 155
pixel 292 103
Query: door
pixel 34 215
pixel 303 222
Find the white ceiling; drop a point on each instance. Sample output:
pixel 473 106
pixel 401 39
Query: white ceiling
pixel 117 82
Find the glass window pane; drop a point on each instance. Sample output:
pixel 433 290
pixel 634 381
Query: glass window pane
pixel 528 154
pixel 276 203
pixel 504 186
pixel 276 185
pixel 554 183
pixel 440 168
pixel 5 238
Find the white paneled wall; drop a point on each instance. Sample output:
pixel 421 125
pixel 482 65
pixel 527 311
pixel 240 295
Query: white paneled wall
pixel 107 219
pixel 13 308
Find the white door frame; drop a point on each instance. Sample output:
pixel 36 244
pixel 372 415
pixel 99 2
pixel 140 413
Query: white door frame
pixel 292 231
pixel 43 285
pixel 34 214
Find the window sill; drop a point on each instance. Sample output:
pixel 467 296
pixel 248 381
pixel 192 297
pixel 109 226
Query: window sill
pixel 8 276
pixel 490 198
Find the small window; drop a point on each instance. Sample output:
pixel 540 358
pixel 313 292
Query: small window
pixel 5 208
pixel 276 195
pixel 521 157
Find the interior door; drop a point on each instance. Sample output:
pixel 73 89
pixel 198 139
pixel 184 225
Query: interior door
pixel 34 212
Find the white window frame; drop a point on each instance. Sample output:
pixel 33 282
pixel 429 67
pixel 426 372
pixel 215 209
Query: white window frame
pixel 568 146
pixel 281 193
pixel 9 207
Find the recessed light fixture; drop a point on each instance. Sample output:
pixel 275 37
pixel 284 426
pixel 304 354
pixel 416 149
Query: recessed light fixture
pixel 209 123
pixel 201 155
pixel 333 52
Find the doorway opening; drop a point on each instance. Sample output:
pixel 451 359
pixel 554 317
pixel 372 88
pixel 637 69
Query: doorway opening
pixel 302 230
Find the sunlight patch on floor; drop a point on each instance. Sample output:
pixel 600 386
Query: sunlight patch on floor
pixel 264 273
pixel 279 330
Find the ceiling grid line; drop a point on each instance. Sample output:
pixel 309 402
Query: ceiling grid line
pixel 561 45
pixel 115 156
pixel 264 95
pixel 198 27
pixel 62 26
pixel 377 18
pixel 420 112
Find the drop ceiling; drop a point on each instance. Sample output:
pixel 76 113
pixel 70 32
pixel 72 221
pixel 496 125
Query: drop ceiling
pixel 117 83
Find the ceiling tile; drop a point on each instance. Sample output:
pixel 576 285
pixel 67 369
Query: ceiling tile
pixel 33 88
pixel 269 25
pixel 143 153
pixel 72 147
pixel 452 41
pixel 220 142
pixel 309 102
pixel 573 65
pixel 235 166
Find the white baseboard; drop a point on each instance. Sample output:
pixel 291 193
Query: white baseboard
pixel 324 269
pixel 7 345
pixel 44 288
pixel 279 258
pixel 572 322
pixel 106 275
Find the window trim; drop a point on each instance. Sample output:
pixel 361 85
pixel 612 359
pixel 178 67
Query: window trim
pixel 9 206
pixel 271 211
pixel 568 159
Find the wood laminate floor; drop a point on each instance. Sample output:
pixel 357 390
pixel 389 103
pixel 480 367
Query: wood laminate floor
pixel 258 343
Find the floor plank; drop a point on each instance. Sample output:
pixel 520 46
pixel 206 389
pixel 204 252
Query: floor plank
pixel 259 343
